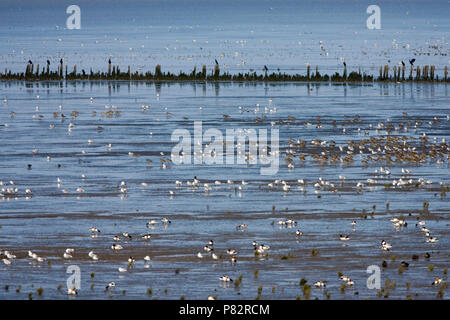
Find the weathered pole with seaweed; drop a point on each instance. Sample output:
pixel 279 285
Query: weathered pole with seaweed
pixel 216 70
pixel 425 73
pixel 204 71
pixel 386 72
pixel 158 73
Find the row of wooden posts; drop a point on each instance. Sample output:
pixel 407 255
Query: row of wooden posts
pixel 424 73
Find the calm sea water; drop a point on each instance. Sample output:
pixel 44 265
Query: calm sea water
pixel 241 36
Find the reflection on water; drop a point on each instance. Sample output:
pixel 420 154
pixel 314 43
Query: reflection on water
pixel 413 90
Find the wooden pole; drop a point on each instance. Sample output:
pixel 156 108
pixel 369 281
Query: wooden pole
pixel 216 70
pixel 204 70
pixel 158 70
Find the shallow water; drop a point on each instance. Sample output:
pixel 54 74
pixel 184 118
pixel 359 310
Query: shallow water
pixel 49 221
pixel 241 35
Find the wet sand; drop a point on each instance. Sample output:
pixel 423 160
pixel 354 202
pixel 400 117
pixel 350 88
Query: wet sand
pixel 47 221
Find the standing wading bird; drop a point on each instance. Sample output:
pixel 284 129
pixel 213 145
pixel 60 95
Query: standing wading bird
pixel 385 246
pixel 72 291
pixel 112 284
pixel 320 284
pixel 225 278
